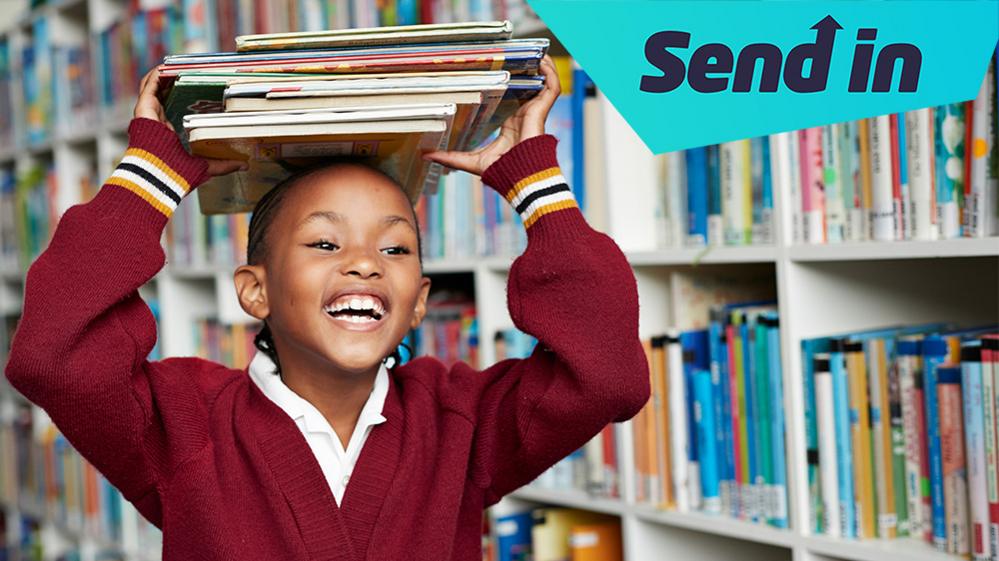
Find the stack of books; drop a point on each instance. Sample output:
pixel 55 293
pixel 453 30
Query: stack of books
pixel 387 95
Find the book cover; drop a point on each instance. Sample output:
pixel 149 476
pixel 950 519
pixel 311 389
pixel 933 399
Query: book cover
pixel 955 482
pixel 388 35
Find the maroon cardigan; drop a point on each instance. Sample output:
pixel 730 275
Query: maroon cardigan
pixel 227 475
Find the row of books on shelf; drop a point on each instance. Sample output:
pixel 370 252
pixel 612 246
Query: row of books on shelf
pixel 555 534
pixel 29 217
pixel 49 483
pixel 901 435
pixel 711 438
pixel 449 330
pixel 920 175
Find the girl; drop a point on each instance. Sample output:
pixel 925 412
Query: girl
pixel 232 464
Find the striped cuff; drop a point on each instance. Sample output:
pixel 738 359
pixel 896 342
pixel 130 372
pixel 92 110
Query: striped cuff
pixel 156 167
pixel 539 194
pixel 529 178
pixel 149 177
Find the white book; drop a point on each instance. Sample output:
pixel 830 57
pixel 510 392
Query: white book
pixel 630 163
pixel 781 174
pixel 679 453
pixel 882 202
pixel 907 371
pixel 919 156
pixel 827 451
pixel 980 205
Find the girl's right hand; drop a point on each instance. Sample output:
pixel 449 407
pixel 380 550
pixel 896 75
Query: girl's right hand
pixel 148 106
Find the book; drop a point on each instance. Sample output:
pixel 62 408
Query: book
pixel 394 146
pixel 400 34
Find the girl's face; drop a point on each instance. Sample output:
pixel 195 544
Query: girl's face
pixel 341 283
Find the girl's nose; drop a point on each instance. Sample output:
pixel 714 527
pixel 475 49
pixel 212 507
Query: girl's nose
pixel 362 262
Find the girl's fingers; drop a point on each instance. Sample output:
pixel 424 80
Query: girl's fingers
pixel 464 161
pixel 222 167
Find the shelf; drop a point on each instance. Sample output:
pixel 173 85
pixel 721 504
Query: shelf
pixel 900 549
pixel 718 525
pixel 865 251
pixel 698 255
pixel 571 499
pixel 204 271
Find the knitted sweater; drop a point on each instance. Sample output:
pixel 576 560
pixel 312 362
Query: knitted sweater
pixel 226 474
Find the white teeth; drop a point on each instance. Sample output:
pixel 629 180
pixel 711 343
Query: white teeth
pixel 356 302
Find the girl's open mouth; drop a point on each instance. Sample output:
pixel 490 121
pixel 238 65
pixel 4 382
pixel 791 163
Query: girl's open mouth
pixel 357 312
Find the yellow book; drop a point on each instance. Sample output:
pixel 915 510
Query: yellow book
pixel 395 147
pixel 596 542
pixel 860 438
pixel 863 134
pixel 370 36
pixel 878 373
pixel 552 527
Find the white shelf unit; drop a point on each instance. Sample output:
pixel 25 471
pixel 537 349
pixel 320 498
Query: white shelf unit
pixel 821 290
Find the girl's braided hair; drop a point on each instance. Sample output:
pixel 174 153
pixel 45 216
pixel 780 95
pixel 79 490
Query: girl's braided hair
pixel 263 215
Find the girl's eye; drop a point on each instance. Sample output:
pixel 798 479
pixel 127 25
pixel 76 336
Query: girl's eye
pixel 397 250
pixel 324 245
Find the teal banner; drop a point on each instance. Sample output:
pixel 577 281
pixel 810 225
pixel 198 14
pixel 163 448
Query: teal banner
pixel 690 73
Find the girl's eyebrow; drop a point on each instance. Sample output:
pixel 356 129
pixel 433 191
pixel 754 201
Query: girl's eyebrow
pixel 329 215
pixel 393 219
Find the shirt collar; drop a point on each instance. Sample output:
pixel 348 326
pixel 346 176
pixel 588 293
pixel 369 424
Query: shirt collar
pixel 262 372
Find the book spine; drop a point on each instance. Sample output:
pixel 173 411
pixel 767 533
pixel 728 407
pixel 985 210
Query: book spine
pixel 912 427
pixel 844 450
pixel 750 420
pixel 794 166
pixel 831 164
pixel 825 410
pixel 779 517
pixel 878 374
pixel 761 377
pixel 716 227
pixel 934 354
pixel 697 196
pixel 715 343
pixel 897 440
pixel 850 182
pixel 952 454
pixel 738 418
pixel 812 195
pixel 866 174
pixel 747 191
pixel 816 516
pixel 732 162
pixel 980 182
pixel 704 417
pixel 861 414
pixel 919 148
pixel 975 447
pixel 896 177
pixel 949 143
pixel 882 183
pixel 678 423
pixel 990 370
pixel 676 192
pixel 900 155
pixel 762 202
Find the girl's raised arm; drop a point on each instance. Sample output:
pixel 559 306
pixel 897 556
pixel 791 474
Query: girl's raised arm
pixel 574 291
pixel 81 346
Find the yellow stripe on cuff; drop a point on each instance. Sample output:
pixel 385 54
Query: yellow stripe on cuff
pixel 535 177
pixel 570 203
pixel 142 193
pixel 153 159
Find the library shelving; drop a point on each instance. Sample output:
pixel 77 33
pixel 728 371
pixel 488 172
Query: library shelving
pixel 821 289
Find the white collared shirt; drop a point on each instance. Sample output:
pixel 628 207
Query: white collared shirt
pixel 337 464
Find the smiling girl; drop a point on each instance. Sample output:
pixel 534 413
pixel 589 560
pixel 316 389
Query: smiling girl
pixel 255 463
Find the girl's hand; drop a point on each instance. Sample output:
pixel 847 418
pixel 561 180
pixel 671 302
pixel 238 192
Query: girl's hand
pixel 527 122
pixel 148 106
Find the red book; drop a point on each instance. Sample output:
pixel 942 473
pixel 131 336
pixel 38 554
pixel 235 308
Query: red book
pixel 990 367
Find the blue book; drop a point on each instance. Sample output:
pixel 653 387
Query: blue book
pixel 780 516
pixel 704 418
pixel 407 12
pixel 695 357
pixel 844 449
pixel 580 84
pixel 697 196
pixel 749 391
pixel 718 350
pixel 767 228
pixel 761 401
pixel 934 354
pixel 809 348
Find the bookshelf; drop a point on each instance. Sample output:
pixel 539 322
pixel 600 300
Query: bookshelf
pixel 821 289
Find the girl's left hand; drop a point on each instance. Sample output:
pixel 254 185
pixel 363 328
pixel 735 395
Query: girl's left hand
pixel 527 122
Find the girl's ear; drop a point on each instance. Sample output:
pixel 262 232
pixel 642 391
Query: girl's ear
pixel 421 303
pixel 250 281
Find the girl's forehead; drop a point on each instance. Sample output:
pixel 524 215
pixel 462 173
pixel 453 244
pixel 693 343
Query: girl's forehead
pixel 352 193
